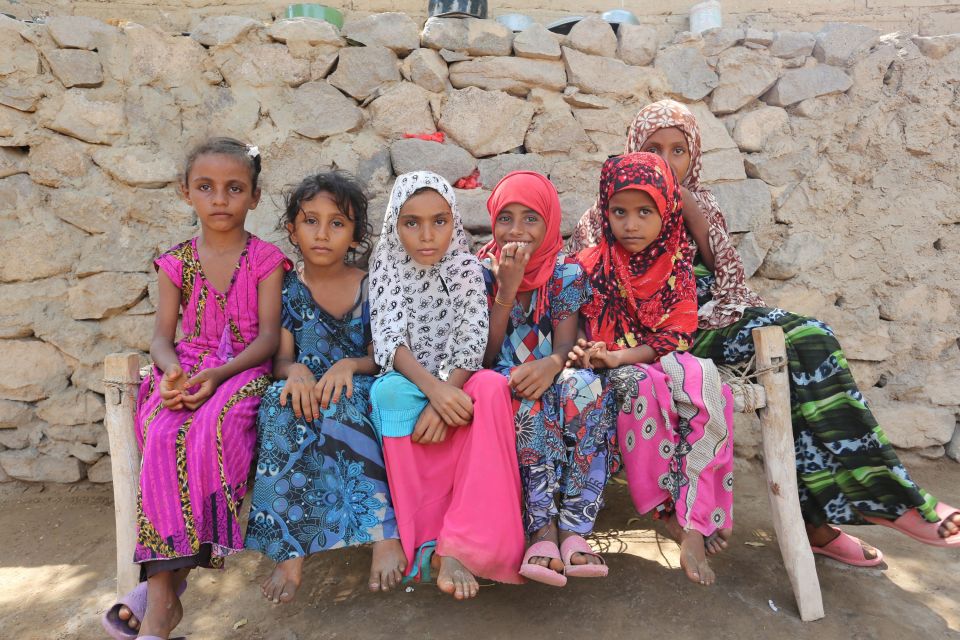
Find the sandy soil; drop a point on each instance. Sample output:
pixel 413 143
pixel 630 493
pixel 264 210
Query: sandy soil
pixel 57 565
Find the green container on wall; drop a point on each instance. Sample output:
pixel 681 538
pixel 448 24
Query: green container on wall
pixel 318 11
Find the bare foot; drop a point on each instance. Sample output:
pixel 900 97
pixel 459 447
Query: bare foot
pixel 824 534
pixel 282 583
pixel 126 614
pixel 694 560
pixel 164 610
pixel 547 533
pixel 388 565
pixel 577 557
pixel 717 541
pixel 950 525
pixel 456 580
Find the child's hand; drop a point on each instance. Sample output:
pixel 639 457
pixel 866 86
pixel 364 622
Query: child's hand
pixel 338 377
pixel 452 404
pixel 300 391
pixel 593 355
pixel 509 269
pixel 173 385
pixel 207 382
pixel 430 427
pixel 530 379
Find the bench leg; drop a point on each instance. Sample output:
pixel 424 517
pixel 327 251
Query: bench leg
pixel 780 465
pixel 121 379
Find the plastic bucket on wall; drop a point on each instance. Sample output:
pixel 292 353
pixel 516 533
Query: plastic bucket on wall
pixel 705 15
pixel 318 11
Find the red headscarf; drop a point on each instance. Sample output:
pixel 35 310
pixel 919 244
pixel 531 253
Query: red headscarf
pixel 648 297
pixel 535 192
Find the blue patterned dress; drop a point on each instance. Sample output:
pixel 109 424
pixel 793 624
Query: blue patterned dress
pixel 319 485
pixel 562 438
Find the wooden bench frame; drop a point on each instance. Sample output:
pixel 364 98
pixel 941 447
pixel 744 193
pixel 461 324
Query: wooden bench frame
pixel 772 400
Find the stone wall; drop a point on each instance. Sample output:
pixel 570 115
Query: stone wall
pixel 926 17
pixel 833 154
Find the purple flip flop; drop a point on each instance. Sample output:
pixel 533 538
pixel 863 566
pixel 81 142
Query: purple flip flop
pixel 136 601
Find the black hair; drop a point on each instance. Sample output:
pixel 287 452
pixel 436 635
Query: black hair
pixel 347 192
pixel 227 147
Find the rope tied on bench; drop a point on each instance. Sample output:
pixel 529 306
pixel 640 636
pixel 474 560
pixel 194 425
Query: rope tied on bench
pixel 743 379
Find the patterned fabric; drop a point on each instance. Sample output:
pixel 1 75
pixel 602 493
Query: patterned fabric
pixel 675 429
pixel 535 191
pixel 729 293
pixel 320 485
pixel 562 438
pixel 648 297
pixel 438 312
pixel 195 463
pixel 846 466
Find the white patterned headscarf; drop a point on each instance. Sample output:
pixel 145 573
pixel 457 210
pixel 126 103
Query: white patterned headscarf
pixel 438 312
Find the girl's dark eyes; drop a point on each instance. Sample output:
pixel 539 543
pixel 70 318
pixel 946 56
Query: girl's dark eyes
pixel 204 187
pixel 410 223
pixel 337 223
pixel 679 151
pixel 532 219
pixel 441 221
pixel 618 212
pixel 310 220
pixel 504 219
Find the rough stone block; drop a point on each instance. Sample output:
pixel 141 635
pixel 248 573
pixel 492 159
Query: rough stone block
pixel 536 42
pixel 792 44
pixel 609 76
pixel 744 74
pixel 516 76
pixel 448 160
pixel 75 68
pixel 492 170
pixel 404 108
pixel 101 472
pixel 745 204
pixel 485 123
pixel 362 70
pixel 106 294
pixel 32 466
pixel 221 30
pixel 912 425
pixel 140 166
pixel 395 31
pixel 96 121
pixel 754 128
pixel 71 407
pixel 78 32
pixel 31 370
pixel 309 31
pixel 838 43
pixel 426 68
pixel 317 110
pixel 594 36
pixel 637 44
pixel 797 85
pixel 687 72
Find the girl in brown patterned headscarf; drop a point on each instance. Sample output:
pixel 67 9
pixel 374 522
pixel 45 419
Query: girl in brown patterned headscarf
pixel 848 471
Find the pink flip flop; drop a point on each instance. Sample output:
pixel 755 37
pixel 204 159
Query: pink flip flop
pixel 847 549
pixel 576 544
pixel 912 524
pixel 136 601
pixel 537 573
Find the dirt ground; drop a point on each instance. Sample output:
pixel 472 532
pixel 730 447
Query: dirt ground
pixel 57 567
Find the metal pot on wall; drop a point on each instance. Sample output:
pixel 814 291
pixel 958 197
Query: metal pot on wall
pixel 457 8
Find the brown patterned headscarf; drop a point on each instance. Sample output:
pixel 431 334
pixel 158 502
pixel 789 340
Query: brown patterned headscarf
pixel 729 292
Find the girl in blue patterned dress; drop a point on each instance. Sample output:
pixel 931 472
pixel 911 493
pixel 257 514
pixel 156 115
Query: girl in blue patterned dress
pixel 320 481
pixel 535 293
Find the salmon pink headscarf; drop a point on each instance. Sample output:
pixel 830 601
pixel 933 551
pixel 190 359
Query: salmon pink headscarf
pixel 535 192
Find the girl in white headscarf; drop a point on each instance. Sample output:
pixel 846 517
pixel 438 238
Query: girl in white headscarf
pixel 447 427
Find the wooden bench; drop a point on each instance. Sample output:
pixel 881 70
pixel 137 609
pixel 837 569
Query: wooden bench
pixel 771 399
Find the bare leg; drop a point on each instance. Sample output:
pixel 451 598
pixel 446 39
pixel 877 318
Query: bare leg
pixel 825 534
pixel 548 533
pixel 388 565
pixel 282 583
pixel 164 610
pixel 455 579
pixel 693 558
pixel 579 558
pixel 125 614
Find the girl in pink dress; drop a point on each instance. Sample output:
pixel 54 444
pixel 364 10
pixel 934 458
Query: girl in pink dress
pixel 447 428
pixel 196 414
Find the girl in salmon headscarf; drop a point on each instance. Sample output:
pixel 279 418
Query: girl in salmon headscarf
pixel 675 417
pixel 848 471
pixel 535 294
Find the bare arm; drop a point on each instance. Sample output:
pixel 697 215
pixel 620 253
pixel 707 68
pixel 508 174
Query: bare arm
pixel 165 327
pixel 698 226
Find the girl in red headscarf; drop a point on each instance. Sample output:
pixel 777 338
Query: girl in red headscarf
pixel 562 421
pixel 675 416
